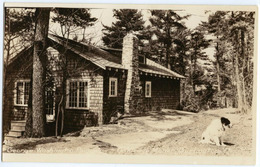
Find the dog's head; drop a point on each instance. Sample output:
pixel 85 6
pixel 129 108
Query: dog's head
pixel 226 122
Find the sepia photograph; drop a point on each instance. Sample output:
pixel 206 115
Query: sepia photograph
pixel 152 84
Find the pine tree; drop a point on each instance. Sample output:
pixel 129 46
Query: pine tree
pixel 241 30
pixel 233 44
pixel 197 43
pixel 127 20
pixel 165 25
pixel 39 72
pixel 69 18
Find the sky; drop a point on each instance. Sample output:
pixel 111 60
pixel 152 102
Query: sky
pixel 105 17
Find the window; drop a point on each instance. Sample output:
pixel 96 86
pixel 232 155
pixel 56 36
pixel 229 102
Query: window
pixel 50 103
pixel 22 92
pixel 148 89
pixel 112 87
pixel 77 94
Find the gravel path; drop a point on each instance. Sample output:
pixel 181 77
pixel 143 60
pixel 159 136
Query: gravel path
pixel 159 133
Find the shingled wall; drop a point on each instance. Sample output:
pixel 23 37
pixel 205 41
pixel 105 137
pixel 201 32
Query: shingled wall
pixel 82 69
pixel 165 93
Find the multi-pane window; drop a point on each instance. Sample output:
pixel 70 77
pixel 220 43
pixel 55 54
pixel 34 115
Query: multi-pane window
pixel 112 87
pixel 78 94
pixel 22 92
pixel 148 89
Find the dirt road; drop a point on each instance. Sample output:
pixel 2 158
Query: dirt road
pixel 163 133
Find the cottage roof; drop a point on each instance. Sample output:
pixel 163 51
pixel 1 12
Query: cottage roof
pixel 155 68
pixel 94 54
pixel 104 58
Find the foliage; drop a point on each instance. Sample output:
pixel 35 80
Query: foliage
pixel 127 20
pixel 234 55
pixel 69 18
pixel 19 22
pixel 166 25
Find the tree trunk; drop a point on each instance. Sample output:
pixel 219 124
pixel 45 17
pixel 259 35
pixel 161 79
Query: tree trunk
pixel 191 71
pixel 238 84
pixel 39 72
pixel 238 77
pixel 217 66
pixel 243 45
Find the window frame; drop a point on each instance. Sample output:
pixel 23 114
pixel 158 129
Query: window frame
pixel 111 79
pixel 15 92
pixel 68 93
pixel 50 117
pixel 150 89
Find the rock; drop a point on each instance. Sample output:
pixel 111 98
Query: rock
pixel 121 123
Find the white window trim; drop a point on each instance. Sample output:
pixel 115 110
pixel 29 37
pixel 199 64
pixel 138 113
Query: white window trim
pixel 116 86
pixel 150 88
pixel 15 91
pixel 67 94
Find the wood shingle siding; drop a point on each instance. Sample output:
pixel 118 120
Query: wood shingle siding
pixel 165 93
pixel 112 105
pixel 92 67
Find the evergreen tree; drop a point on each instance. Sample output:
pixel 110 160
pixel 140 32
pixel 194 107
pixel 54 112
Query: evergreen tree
pixel 241 35
pixel 197 43
pixel 127 20
pixel 166 24
pixel 39 72
pixel 69 18
pixel 233 44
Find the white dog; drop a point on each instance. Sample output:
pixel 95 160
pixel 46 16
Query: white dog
pixel 214 132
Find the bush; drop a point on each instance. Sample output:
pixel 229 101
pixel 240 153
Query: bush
pixel 190 101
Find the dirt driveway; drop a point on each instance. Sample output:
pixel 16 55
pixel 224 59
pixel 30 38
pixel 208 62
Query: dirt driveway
pixel 159 133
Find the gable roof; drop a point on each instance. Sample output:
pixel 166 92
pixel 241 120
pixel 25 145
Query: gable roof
pixel 104 58
pixel 155 68
pixel 96 55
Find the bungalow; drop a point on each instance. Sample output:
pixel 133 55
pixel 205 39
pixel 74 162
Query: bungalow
pixel 100 82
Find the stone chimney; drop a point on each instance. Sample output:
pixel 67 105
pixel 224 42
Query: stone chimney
pixel 133 99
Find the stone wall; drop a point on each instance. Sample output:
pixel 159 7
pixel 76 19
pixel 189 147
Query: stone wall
pixel 133 99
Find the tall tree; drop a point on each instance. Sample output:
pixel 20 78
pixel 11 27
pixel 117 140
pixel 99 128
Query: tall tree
pixel 241 32
pixel 70 18
pixel 39 71
pixel 127 20
pixel 165 25
pixel 216 25
pixel 198 43
pixel 234 35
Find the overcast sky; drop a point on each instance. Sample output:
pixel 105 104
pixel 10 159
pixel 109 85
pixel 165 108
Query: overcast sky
pixel 105 16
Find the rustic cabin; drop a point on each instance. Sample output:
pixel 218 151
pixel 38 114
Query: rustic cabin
pixel 100 83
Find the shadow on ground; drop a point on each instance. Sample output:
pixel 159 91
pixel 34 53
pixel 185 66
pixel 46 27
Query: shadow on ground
pixel 229 144
pixel 30 145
